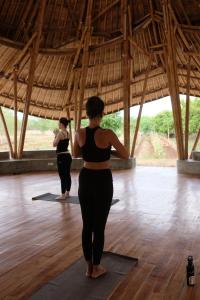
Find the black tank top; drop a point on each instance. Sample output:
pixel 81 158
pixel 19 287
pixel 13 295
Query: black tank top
pixel 92 153
pixel 62 145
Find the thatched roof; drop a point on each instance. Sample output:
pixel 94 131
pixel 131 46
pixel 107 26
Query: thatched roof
pixel 57 77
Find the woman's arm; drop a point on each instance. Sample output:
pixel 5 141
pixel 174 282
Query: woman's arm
pixel 57 139
pixel 121 151
pixel 77 149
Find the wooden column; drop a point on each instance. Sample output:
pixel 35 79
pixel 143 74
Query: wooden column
pixel 171 66
pixel 126 73
pixel 141 106
pixel 195 143
pixel 85 59
pixel 15 71
pixel 70 129
pixel 7 133
pixel 187 108
pixel 34 54
pixel 76 85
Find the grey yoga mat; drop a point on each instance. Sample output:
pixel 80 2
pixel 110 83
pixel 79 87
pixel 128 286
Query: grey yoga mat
pixel 72 284
pixel 71 199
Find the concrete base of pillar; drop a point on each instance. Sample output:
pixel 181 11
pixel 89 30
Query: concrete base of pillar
pixel 189 166
pixel 196 155
pixel 12 166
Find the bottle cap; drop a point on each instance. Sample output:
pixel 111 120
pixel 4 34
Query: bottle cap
pixel 190 257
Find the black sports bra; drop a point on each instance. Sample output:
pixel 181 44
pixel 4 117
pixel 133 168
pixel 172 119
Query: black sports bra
pixel 62 145
pixel 92 153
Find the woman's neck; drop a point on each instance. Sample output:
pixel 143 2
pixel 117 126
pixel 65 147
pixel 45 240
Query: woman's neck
pixel 94 122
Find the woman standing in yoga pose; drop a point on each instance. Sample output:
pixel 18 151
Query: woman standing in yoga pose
pixel 64 159
pixel 95 182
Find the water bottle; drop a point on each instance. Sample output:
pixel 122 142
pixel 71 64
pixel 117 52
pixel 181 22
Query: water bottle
pixel 190 272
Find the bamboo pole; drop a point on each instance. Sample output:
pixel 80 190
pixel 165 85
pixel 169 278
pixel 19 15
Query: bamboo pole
pixel 15 73
pixel 85 60
pixel 70 130
pixel 171 66
pixel 126 73
pixel 141 106
pixel 31 75
pixel 76 83
pixel 195 143
pixel 7 133
pixel 187 107
pixel 105 10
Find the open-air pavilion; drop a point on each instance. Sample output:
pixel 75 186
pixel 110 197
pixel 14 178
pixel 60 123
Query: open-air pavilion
pixel 54 54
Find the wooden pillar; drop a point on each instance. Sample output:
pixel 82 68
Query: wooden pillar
pixel 15 71
pixel 195 143
pixel 76 85
pixel 34 54
pixel 187 108
pixel 126 73
pixel 141 106
pixel 85 59
pixel 70 129
pixel 170 56
pixel 7 133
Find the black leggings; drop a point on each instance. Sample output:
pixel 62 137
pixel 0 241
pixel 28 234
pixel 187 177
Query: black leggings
pixel 64 164
pixel 95 196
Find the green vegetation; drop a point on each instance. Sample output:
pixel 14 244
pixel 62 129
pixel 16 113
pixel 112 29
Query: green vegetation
pixel 161 123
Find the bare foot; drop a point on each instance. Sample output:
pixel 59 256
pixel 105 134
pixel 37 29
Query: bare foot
pixel 89 269
pixel 61 197
pixel 66 194
pixel 98 271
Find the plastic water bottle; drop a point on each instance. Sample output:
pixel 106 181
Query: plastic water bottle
pixel 190 272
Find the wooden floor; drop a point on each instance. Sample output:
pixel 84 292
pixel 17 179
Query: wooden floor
pixel 157 220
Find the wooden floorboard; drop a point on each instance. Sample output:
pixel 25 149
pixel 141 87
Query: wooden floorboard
pixel 157 220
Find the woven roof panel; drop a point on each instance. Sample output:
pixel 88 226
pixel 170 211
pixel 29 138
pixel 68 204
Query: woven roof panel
pixel 60 61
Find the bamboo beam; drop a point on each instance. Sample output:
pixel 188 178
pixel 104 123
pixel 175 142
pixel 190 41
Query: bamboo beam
pixel 195 143
pixel 105 10
pixel 141 106
pixel 171 65
pixel 187 107
pixel 192 53
pixel 179 29
pixel 72 13
pixel 113 42
pixel 76 84
pixel 155 33
pixel 70 130
pixel 24 50
pixel 7 133
pixel 15 73
pixel 22 23
pixel 126 73
pixel 141 49
pixel 31 75
pixel 85 59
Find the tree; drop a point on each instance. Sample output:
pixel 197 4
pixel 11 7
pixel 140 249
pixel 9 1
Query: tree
pixel 147 124
pixel 194 123
pixel 112 121
pixel 164 123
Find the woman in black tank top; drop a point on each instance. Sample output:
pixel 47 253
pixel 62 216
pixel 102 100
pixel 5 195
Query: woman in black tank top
pixel 95 182
pixel 64 159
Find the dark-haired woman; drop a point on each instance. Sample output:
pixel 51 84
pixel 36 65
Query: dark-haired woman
pixel 64 159
pixel 95 182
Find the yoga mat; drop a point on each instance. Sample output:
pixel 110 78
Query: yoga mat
pixel 72 284
pixel 71 199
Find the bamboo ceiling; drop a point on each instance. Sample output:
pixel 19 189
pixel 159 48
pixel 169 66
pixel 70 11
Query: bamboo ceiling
pixel 81 49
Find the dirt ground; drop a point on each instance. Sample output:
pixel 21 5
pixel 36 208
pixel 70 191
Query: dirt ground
pixel 151 150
